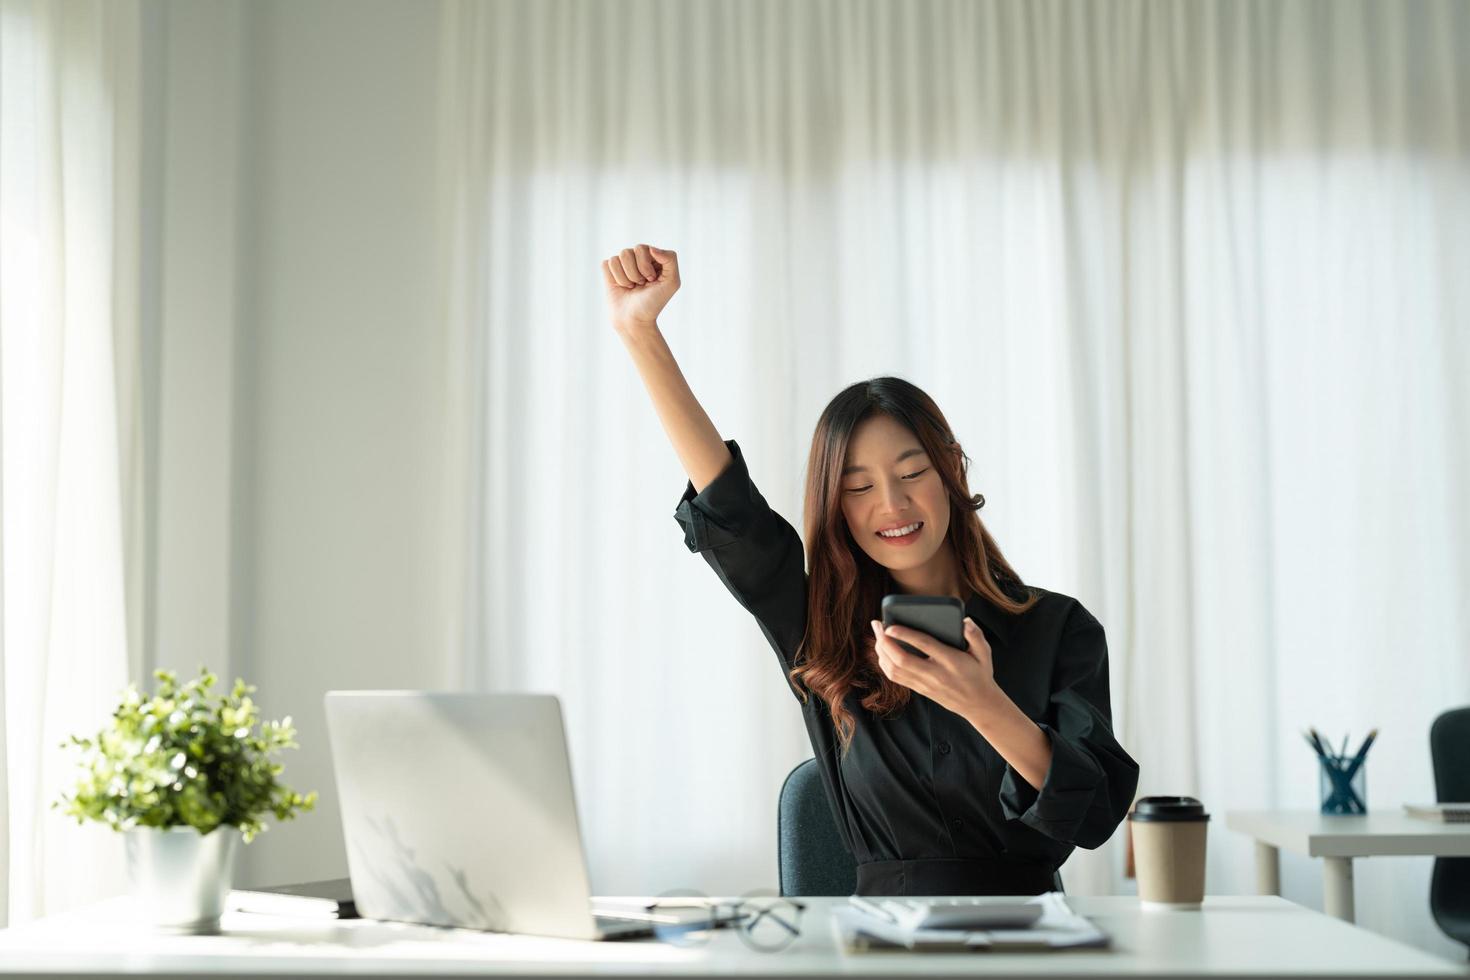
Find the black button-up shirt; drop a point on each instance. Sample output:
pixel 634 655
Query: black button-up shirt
pixel 924 803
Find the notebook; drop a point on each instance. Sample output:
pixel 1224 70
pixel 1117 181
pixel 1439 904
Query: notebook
pixel 330 899
pixel 1058 927
pixel 1443 812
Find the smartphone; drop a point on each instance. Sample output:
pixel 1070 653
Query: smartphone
pixel 941 616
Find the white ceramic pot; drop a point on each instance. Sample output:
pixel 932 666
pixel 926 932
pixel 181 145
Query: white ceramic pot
pixel 181 877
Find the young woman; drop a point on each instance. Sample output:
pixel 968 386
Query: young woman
pixel 973 772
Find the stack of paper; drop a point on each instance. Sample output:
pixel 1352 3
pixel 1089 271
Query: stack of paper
pixel 1058 928
pixel 1446 812
pixel 330 899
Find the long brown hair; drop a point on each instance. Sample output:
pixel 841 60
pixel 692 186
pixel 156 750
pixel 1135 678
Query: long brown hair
pixel 844 585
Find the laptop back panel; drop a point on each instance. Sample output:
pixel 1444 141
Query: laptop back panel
pixel 458 810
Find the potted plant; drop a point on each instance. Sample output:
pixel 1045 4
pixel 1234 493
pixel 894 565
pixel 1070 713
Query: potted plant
pixel 185 776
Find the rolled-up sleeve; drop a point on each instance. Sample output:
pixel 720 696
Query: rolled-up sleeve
pixel 755 552
pixel 1091 781
pixel 724 510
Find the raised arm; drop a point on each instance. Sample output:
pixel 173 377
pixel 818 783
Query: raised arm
pixel 639 281
pixel 755 551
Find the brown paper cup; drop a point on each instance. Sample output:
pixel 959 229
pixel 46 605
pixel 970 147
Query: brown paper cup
pixel 1169 851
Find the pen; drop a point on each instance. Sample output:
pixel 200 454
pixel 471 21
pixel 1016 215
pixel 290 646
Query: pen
pixel 1312 744
pixel 1317 743
pixel 1362 754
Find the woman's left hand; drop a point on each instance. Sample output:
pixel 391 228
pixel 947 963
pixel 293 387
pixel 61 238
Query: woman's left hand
pixel 961 680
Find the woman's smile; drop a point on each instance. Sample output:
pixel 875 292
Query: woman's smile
pixel 914 529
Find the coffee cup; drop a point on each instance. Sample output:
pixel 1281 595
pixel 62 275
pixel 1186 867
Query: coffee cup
pixel 1169 851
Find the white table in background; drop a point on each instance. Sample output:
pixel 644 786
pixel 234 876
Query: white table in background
pixel 1232 936
pixel 1339 839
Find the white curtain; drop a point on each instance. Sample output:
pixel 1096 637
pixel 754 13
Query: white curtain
pixel 1187 280
pixel 69 442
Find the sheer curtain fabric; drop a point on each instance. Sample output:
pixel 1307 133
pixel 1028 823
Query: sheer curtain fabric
pixel 1185 278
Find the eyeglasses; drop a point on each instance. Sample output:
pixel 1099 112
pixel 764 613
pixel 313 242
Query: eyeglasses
pixel 763 920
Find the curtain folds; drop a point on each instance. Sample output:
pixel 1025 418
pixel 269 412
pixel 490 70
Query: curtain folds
pixel 70 446
pixel 1182 276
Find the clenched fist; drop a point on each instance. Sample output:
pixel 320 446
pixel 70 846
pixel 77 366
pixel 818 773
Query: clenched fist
pixel 639 282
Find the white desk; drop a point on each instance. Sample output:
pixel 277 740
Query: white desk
pixel 1234 936
pixel 1337 840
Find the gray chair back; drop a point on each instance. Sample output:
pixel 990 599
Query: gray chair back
pixel 1449 886
pixel 811 857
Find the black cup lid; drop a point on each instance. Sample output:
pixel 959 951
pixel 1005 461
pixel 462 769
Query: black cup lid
pixel 1169 808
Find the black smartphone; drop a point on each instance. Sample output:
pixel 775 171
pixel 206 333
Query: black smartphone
pixel 941 616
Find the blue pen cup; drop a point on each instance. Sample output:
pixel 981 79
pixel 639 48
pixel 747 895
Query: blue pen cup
pixel 1343 793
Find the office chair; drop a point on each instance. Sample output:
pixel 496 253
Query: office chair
pixel 811 857
pixel 1449 888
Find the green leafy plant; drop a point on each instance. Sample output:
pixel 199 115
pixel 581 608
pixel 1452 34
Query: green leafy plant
pixel 185 759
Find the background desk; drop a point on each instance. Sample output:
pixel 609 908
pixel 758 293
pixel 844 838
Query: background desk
pixel 1233 936
pixel 1337 840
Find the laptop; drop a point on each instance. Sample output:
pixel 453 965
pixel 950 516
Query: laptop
pixel 457 810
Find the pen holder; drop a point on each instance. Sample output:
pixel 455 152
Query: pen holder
pixel 1343 791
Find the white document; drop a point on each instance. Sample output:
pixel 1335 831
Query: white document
pixel 1058 928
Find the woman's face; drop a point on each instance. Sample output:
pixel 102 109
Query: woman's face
pixel 888 483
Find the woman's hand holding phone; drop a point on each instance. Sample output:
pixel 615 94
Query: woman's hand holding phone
pixel 961 680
